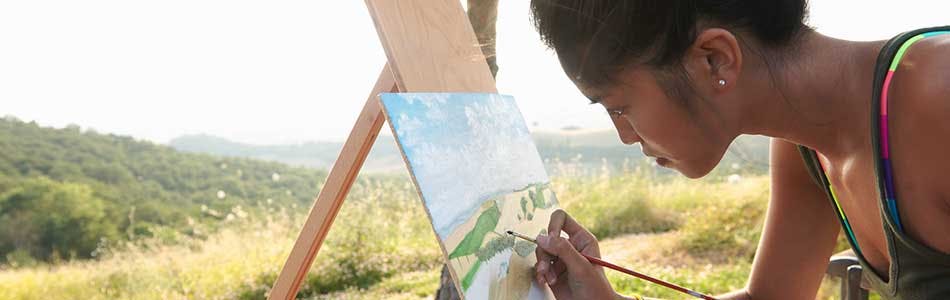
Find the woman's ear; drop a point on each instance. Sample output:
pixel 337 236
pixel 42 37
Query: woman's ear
pixel 714 60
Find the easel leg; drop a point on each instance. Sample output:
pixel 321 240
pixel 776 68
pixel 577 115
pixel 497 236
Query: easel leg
pixel 331 197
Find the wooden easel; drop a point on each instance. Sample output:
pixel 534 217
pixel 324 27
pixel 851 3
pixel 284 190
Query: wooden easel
pixel 430 47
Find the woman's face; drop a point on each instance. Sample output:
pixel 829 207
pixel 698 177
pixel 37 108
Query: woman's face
pixel 680 129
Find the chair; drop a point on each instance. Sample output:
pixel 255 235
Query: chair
pixel 845 265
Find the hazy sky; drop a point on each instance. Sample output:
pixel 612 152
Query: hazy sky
pixel 280 71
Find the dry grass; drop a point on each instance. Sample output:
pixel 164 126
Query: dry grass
pixel 382 246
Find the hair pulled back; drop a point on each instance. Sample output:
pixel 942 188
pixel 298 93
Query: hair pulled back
pixel 594 39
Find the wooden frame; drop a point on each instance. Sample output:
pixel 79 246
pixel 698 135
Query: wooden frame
pixel 430 47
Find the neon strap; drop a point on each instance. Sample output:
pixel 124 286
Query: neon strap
pixel 890 195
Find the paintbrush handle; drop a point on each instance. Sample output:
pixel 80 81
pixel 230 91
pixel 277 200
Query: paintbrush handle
pixel 600 262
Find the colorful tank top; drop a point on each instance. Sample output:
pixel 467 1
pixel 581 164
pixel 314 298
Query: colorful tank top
pixel 916 270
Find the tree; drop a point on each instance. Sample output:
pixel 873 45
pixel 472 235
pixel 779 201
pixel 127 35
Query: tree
pixel 52 220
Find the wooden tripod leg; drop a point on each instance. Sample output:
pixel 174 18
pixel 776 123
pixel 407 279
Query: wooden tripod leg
pixel 331 197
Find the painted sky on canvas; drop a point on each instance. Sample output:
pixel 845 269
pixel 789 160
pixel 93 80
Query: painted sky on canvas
pixel 463 149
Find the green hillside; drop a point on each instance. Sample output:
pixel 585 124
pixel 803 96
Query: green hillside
pixel 65 192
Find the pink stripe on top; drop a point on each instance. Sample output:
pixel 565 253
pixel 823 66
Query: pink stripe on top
pixel 887 85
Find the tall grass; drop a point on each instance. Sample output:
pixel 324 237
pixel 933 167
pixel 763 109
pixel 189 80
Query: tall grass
pixel 380 232
pixel 382 246
pixel 612 205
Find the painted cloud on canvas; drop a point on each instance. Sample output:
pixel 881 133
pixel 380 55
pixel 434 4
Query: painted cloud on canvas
pixel 479 174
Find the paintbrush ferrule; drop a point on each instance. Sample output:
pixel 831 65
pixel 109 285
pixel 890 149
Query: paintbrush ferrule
pixel 524 237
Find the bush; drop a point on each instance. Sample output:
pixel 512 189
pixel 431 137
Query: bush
pixel 52 220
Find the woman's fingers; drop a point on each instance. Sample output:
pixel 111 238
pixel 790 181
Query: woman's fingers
pixel 564 251
pixel 543 267
pixel 561 221
pixel 580 237
pixel 557 255
pixel 558 270
pixel 548 266
pixel 586 244
pixel 552 271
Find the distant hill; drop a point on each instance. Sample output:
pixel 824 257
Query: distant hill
pixel 592 149
pixel 64 190
pixel 384 157
pixel 586 150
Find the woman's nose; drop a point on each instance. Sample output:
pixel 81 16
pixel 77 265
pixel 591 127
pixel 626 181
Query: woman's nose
pixel 625 130
pixel 628 137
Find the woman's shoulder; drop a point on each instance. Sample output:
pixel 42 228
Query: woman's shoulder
pixel 918 103
pixel 918 122
pixel 918 97
pixel 922 77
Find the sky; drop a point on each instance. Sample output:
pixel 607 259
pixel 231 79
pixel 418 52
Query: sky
pixel 488 147
pixel 269 72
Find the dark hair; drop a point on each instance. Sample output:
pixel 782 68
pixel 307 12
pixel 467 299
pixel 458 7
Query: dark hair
pixel 596 38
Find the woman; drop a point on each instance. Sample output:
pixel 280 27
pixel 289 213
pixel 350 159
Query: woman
pixel 684 78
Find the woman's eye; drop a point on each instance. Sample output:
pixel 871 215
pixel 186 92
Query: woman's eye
pixel 615 112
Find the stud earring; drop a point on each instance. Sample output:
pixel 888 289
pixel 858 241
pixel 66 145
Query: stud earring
pixel 722 82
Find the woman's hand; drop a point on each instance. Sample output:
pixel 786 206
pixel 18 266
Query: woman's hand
pixel 562 267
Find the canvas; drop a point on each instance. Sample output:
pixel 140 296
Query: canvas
pixel 479 174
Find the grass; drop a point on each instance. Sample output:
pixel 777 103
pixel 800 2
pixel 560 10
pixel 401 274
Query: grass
pixel 613 205
pixel 699 234
pixel 368 246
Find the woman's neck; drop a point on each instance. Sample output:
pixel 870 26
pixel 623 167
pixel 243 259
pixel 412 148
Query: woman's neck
pixel 818 96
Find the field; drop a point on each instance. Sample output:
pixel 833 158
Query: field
pixel 700 234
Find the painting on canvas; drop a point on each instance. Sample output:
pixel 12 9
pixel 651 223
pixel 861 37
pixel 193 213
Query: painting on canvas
pixel 479 174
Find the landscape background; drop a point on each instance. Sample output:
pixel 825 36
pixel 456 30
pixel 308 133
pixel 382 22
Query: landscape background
pixel 169 150
pixel 87 215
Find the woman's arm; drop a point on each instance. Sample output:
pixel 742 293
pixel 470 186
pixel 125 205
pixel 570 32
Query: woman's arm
pixel 799 234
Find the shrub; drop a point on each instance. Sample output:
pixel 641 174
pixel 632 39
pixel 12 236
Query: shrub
pixel 52 220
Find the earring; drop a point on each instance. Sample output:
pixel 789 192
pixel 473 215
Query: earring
pixel 722 82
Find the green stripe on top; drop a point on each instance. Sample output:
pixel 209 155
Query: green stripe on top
pixel 900 52
pixel 911 41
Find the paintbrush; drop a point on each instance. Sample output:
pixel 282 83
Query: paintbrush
pixel 599 262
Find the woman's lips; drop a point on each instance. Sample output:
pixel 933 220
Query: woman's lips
pixel 662 161
pixel 649 153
